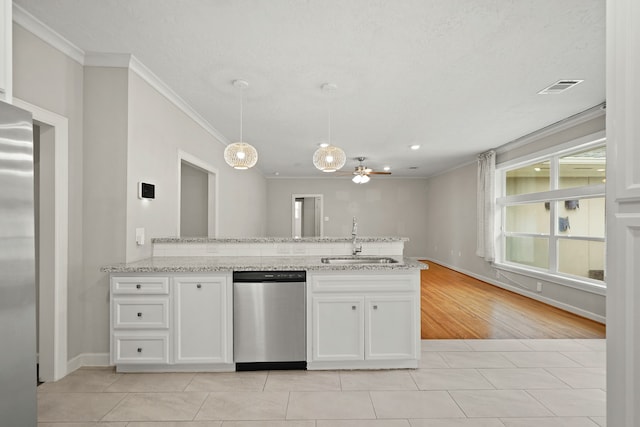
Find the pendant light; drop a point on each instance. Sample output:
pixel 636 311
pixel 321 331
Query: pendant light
pixel 329 158
pixel 240 155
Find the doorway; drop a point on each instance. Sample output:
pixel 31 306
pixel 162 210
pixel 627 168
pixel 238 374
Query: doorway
pixel 194 196
pixel 306 217
pixel 197 197
pixel 44 211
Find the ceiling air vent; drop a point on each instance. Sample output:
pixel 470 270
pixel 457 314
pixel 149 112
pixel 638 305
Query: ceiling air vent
pixel 559 87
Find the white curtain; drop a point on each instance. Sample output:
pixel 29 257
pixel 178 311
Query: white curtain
pixel 486 205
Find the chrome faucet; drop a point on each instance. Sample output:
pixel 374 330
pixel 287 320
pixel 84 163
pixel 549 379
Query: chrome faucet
pixel 356 249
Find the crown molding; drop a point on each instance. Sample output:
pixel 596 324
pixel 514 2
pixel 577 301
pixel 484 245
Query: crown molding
pixel 44 32
pixel 569 122
pixel 158 84
pixel 126 60
pixel 115 60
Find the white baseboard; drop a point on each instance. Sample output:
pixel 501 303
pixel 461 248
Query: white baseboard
pixel 88 359
pixel 561 305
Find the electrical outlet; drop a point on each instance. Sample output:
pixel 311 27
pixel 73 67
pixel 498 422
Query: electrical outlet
pixel 539 287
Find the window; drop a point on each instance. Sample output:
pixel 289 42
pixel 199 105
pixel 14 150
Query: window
pixel 551 213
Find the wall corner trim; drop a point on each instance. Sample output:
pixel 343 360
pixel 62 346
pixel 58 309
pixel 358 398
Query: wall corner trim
pixel 48 35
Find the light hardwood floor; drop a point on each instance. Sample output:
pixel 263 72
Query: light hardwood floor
pixel 456 306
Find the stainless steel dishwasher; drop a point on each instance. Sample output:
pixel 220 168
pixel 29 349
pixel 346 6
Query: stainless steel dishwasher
pixel 269 320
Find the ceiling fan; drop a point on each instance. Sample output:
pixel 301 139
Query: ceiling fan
pixel 361 172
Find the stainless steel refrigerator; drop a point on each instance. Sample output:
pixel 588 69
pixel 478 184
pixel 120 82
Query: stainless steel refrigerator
pixel 18 380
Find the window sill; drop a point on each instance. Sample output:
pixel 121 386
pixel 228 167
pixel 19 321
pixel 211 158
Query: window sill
pixel 595 287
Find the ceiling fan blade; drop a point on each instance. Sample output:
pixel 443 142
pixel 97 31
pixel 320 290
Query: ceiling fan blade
pixel 379 173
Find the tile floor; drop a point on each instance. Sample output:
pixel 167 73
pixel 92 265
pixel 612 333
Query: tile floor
pixel 460 383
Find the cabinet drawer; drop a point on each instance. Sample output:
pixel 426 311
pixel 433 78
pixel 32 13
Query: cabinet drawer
pixel 364 283
pixel 140 285
pixel 141 348
pixel 136 313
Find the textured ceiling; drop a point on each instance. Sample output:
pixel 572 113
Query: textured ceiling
pixel 457 77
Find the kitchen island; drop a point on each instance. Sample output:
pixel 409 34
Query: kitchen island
pixel 174 312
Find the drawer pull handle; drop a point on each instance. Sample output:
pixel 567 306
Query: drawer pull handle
pixel 353 307
pixel 139 349
pixel 375 307
pixel 138 286
pixel 198 286
pixel 139 314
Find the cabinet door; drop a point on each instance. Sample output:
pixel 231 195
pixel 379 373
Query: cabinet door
pixel 390 330
pixel 202 329
pixel 338 328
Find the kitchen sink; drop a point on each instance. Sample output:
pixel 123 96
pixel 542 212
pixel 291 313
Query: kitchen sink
pixel 359 260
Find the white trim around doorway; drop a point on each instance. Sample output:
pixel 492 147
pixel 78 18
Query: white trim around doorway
pixel 53 353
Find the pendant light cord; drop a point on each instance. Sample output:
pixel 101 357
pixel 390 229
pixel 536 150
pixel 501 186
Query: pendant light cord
pixel 241 111
pixel 329 108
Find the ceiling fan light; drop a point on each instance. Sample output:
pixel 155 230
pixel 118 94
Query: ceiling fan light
pixel 357 179
pixel 365 179
pixel 240 155
pixel 329 158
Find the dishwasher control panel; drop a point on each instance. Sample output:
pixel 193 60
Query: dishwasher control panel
pixel 269 276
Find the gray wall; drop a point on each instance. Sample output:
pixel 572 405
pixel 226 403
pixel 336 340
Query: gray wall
pixel 450 221
pixel 385 206
pixel 105 178
pixel 194 193
pixel 157 130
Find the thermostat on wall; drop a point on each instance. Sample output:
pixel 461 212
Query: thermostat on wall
pixel 146 191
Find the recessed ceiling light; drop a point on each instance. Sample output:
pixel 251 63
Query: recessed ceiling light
pixel 276 173
pixel 537 169
pixel 600 170
pixel 415 147
pixel 386 168
pixel 323 144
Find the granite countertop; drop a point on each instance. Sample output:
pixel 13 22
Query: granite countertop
pixel 274 239
pixel 202 264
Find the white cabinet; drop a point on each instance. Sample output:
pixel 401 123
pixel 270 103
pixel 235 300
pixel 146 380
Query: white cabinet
pixel 171 323
pixel 139 320
pixel 363 320
pixel 390 327
pixel 338 328
pixel 202 320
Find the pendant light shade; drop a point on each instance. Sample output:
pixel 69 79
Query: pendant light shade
pixel 329 158
pixel 240 155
